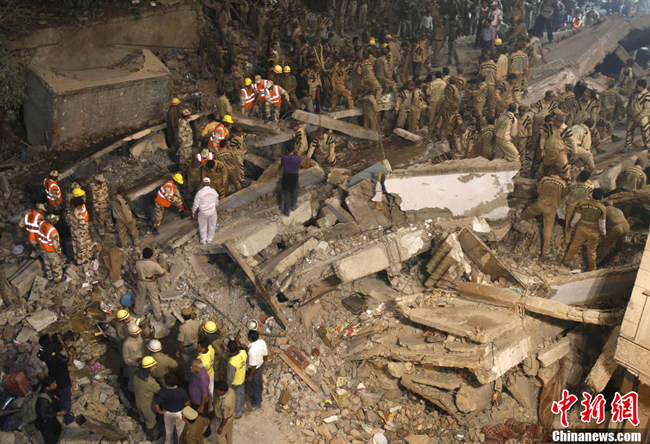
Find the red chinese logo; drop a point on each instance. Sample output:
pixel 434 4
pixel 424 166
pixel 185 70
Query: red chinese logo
pixel 626 408
pixel 594 407
pixel 563 406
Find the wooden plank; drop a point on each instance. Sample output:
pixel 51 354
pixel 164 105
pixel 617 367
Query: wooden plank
pixel 279 317
pixel 300 373
pixel 554 352
pixel 337 125
pixel 605 366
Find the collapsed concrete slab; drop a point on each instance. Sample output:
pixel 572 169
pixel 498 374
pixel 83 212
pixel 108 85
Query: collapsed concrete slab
pixel 337 125
pixel 458 188
pixel 591 287
pixel 365 212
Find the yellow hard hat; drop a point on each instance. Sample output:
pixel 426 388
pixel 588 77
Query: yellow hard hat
pixel 178 178
pixel 385 45
pixel 227 119
pixel 247 81
pixel 176 101
pixel 123 315
pixel 498 42
pixel 516 18
pixel 210 327
pixel 78 192
pixel 277 69
pixel 148 362
pixel 287 69
pixel 372 40
pixel 388 36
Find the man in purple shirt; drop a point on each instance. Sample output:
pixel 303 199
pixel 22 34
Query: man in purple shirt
pixel 199 388
pixel 291 164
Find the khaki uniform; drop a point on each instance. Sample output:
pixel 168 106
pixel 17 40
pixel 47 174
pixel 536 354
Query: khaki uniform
pixel 145 391
pixel 368 79
pixel 436 44
pixel 609 101
pixel 403 106
pixel 188 335
pixel 435 95
pixel 80 231
pixel 147 272
pixel 592 216
pixel 370 112
pixel 102 207
pixel 239 145
pixel 320 149
pixel 487 137
pixel 218 177
pixel 164 365
pixel 567 104
pixel 505 129
pixel 617 229
pixel 506 94
pixel 125 220
pixel 524 132
pixel 582 145
pixel 289 83
pixel 418 104
pixel 631 179
pixel 638 112
pixel 541 109
pixel 502 68
pixel 585 109
pixel 229 158
pixel 185 141
pixel 121 333
pixel 577 192
pixel 550 191
pixel 384 75
pixel 193 433
pixel 192 175
pixel 339 77
pixel 300 142
pixel 222 107
pixel 489 70
pixel 556 143
pixel 478 98
pixel 224 408
pixel 518 65
pixel 449 124
pixel 132 354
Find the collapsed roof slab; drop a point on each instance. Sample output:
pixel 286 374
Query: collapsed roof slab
pixel 594 286
pixel 456 188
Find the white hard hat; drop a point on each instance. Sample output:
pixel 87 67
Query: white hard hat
pixel 154 346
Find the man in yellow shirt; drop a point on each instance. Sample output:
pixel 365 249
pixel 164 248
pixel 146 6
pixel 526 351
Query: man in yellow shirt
pixel 206 356
pixel 237 375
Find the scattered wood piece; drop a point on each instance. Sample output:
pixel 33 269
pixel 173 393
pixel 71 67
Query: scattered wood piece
pixel 300 373
pixel 605 366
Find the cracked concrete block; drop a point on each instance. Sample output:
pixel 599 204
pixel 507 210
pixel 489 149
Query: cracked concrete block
pixel 258 240
pixel 42 319
pixel 300 215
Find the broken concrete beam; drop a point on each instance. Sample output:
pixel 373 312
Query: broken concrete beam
pixel 302 214
pixel 447 263
pixel 374 288
pixel 447 381
pixel 440 398
pixel 23 281
pixel 257 124
pixel 605 366
pixel 588 288
pixel 485 259
pixel 149 145
pixel 289 257
pixel 407 135
pixel 521 389
pixel 354 112
pixel 507 298
pixel 470 399
pixel 41 319
pixel 457 188
pixel 365 212
pixel 337 125
pixel 340 231
pixel 389 250
pixel 624 56
pixel 100 428
pixel 554 352
pixel 372 172
pixel 342 215
pixel 37 289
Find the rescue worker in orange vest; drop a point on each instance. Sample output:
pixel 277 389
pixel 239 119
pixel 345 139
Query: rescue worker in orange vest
pixel 53 191
pixel 274 100
pixel 31 222
pixel 168 194
pixel 77 219
pixel 261 89
pixel 204 156
pixel 247 97
pixel 78 192
pixel 50 243
pixel 221 132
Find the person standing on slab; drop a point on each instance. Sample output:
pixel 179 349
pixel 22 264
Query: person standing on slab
pixel 148 271
pixel 617 228
pixel 590 218
pixel 205 204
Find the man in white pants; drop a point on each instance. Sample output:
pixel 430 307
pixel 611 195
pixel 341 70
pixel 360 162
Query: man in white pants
pixel 205 202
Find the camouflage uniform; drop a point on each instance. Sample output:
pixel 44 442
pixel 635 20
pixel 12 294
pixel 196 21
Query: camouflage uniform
pixel 339 76
pixel 592 223
pixel 370 111
pixel 125 220
pixel 238 145
pixel 218 177
pixel 80 231
pixel 186 141
pixel 229 158
pixel 101 206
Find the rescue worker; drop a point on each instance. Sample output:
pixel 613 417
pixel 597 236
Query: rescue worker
pixel 438 40
pixel 53 192
pixel 368 78
pixel 289 83
pixel 638 115
pixel 123 318
pixel 582 143
pixel 124 218
pixel 487 137
pixel 185 137
pixel 173 117
pixel 617 228
pixel 477 96
pixel 224 409
pixel 204 156
pixel 610 102
pixel 578 191
pixel 217 172
pixel 384 72
pixel 31 222
pixel 132 352
pixel 370 111
pixel 237 374
pixel 541 109
pixel 164 364
pixel 101 204
pixel 188 337
pixel 192 172
pixel 222 106
pixel 229 158
pixel 300 141
pixel 168 194
pixel 77 219
pixel 556 138
pixel 435 96
pixel 322 148
pixel 261 87
pixel 50 242
pixel 146 388
pixel 590 218
pixel 213 122
pixel 221 132
pixel 247 97
pixel 632 178
pixel 148 272
pixel 418 104
pixel 550 191
pixel 567 103
pixel 507 92
pixel 339 88
pixel 205 203
pixel 275 95
pixel 505 130
pixel 238 143
pixel 524 132
pixel 403 105
pixel 489 70
pixel 585 108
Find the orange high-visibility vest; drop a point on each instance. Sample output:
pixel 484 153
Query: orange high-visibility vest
pixel 161 199
pixel 249 97
pixel 275 97
pixel 33 220
pixel 219 134
pixel 46 235
pixel 202 159
pixel 53 192
pixel 85 212
pixel 262 90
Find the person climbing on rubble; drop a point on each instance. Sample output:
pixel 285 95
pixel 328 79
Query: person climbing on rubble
pixel 101 205
pixel 77 219
pixel 30 223
pixel 124 219
pixel 168 194
pixel 50 242
pixel 590 218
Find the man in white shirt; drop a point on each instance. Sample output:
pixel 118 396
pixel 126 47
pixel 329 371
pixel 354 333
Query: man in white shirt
pixel 426 23
pixel 496 15
pixel 205 202
pixel 257 353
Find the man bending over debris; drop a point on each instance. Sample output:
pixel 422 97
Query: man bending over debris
pixel 590 217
